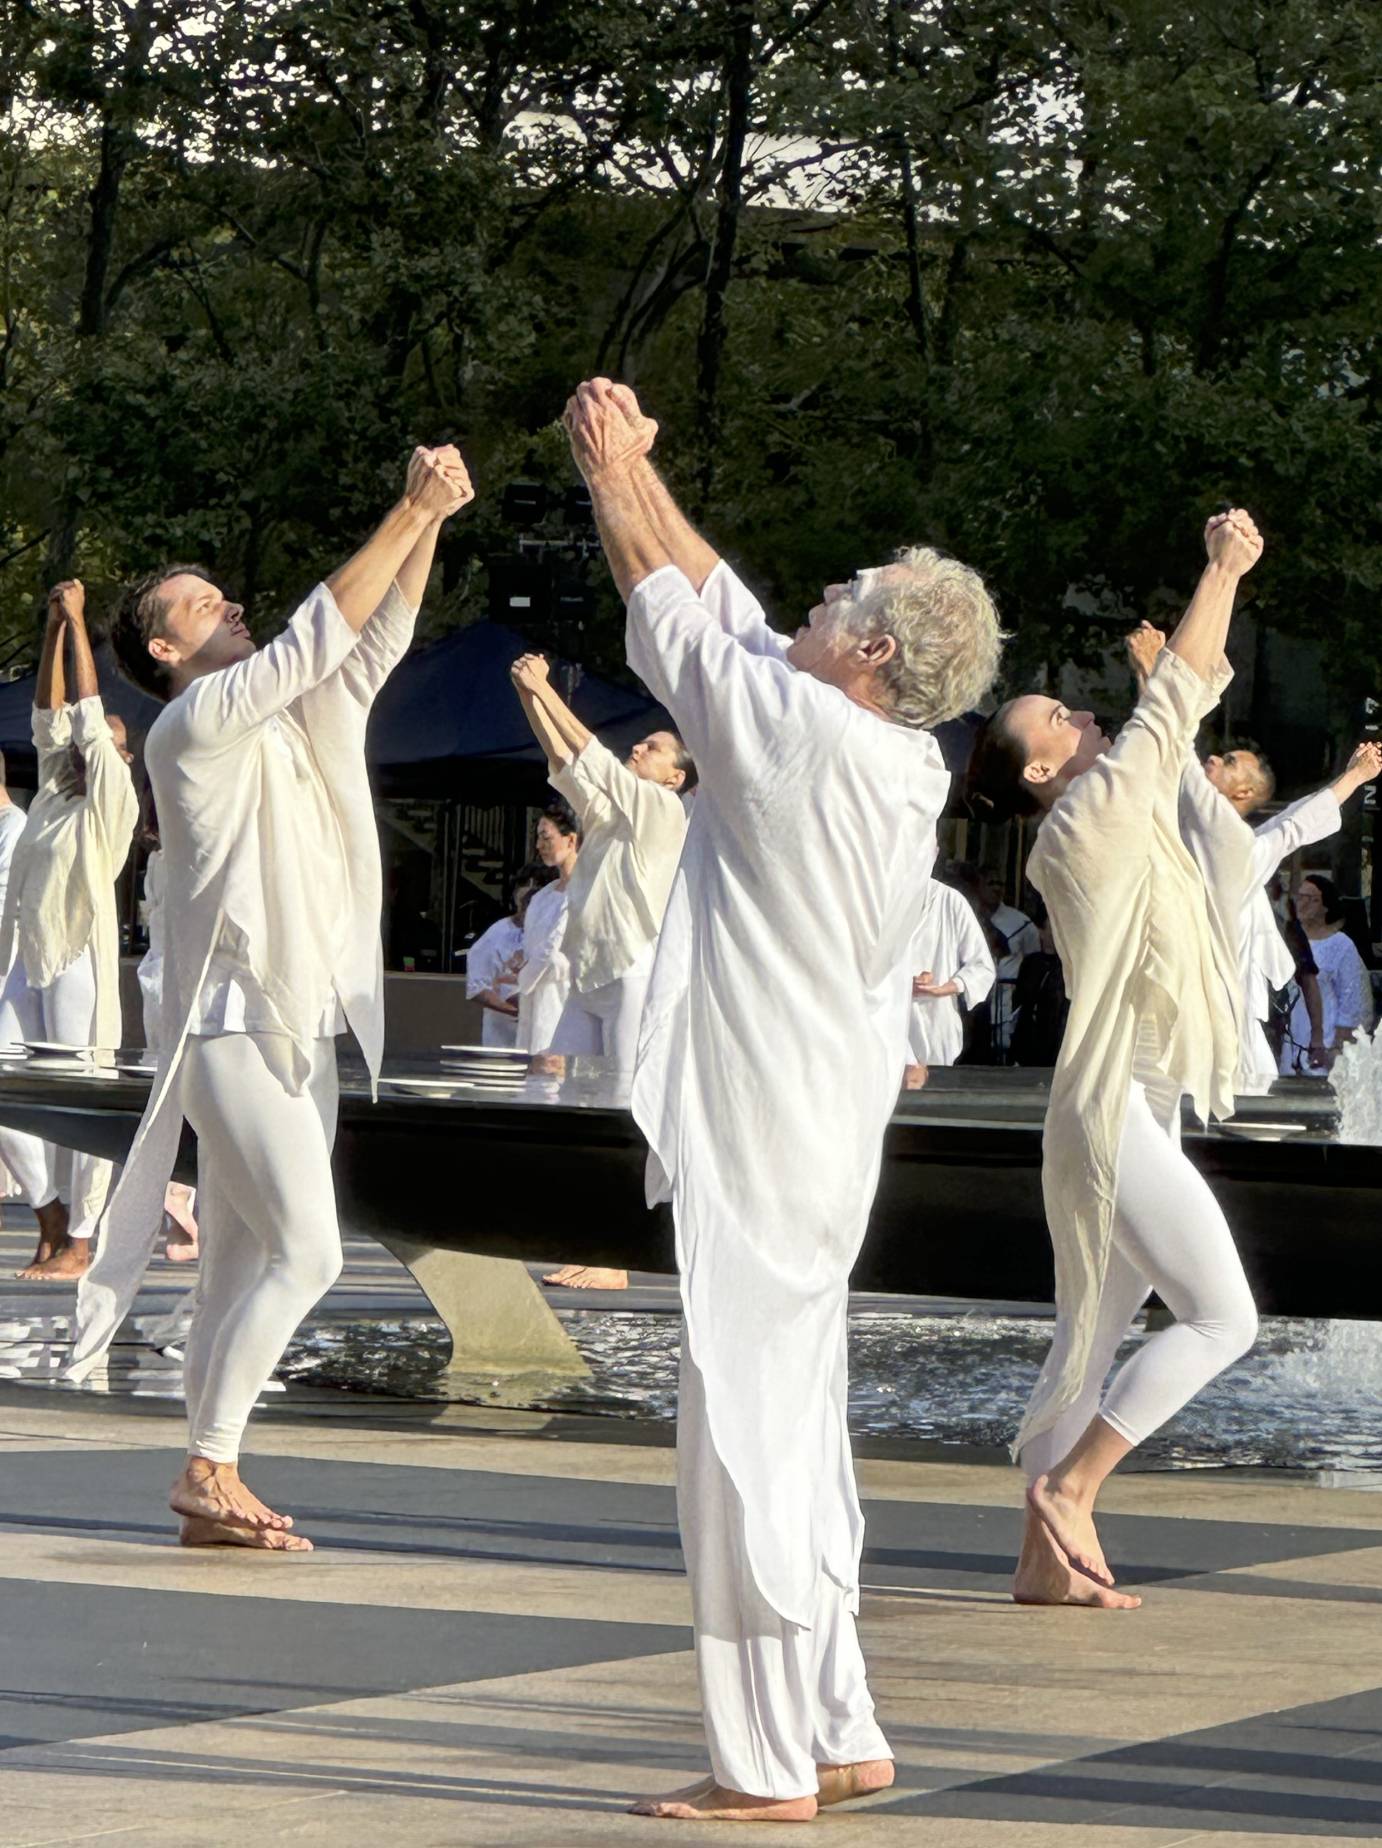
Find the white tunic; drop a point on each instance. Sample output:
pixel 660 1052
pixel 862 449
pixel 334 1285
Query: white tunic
pixel 239 870
pixel 1217 834
pixel 1150 965
pixel 486 958
pixel 768 1057
pixel 619 887
pixel 1345 996
pixel 544 980
pixel 950 942
pixel 61 896
pixel 1023 939
pixel 12 821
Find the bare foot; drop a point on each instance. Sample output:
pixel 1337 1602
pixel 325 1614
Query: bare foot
pixel 588 1277
pixel 195 1532
pixel 1072 1528
pixel 841 1783
pixel 179 1224
pixel 52 1230
pixel 69 1260
pixel 1045 1576
pixel 208 1491
pixel 709 1802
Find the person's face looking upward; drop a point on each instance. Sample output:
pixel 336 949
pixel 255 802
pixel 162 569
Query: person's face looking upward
pixel 826 649
pixel 1237 775
pixel 654 758
pixel 202 631
pixel 1058 742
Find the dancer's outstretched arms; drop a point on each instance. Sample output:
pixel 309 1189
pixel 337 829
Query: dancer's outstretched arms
pixel 608 449
pixel 1234 546
pixel 50 688
pixel 558 730
pixel 432 493
pixel 694 556
pixel 1363 766
pixel 417 566
pixel 84 682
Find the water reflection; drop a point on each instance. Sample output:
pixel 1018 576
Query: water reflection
pixel 1309 1396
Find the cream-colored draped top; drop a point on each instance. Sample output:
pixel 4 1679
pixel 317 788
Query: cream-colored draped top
pixel 1151 962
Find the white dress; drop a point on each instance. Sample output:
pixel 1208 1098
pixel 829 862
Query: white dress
pixel 950 942
pixel 544 980
pixel 486 957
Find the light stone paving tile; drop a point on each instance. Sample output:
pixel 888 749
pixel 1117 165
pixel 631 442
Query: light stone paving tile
pixel 1361 1567
pixel 381 1580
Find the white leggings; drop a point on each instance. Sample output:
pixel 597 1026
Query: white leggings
pixel 605 1021
pixel 1169 1235
pixel 778 1698
pixel 271 1244
pixel 65 1013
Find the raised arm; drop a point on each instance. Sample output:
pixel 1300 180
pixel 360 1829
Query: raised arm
pixel 1234 546
pixel 558 730
pixel 50 687
pixel 1363 766
pixel 434 490
pixel 608 445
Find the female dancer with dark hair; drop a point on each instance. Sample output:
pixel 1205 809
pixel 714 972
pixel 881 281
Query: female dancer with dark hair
pixel 1154 999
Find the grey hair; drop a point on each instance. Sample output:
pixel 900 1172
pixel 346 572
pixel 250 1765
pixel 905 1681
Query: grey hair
pixel 945 624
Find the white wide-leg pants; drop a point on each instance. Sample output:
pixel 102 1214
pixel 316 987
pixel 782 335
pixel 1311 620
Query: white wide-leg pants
pixel 65 1013
pixel 271 1242
pixel 605 1021
pixel 779 1698
pixel 1169 1235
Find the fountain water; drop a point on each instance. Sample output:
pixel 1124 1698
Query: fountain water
pixel 1357 1080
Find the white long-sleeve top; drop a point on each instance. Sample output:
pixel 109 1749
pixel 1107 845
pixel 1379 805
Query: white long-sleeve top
pixel 618 893
pixel 485 963
pixel 950 942
pixel 240 872
pixel 768 1055
pixel 1151 965
pixel 544 977
pixel 1301 824
pixel 61 895
pixel 12 821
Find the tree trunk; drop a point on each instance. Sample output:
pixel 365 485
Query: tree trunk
pixel 710 346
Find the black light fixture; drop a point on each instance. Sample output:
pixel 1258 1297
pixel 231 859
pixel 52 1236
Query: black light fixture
pixel 576 508
pixel 525 503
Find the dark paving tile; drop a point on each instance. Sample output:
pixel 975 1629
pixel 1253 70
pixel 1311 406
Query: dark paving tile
pixel 81 1660
pixel 490 1515
pixel 1303 1771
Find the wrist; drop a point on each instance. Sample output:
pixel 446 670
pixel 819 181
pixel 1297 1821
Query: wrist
pixel 414 517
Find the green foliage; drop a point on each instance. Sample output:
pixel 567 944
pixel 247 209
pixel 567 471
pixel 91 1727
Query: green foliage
pixel 1038 283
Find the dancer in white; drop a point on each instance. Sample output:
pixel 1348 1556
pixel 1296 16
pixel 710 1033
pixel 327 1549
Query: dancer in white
pixel 1151 962
pixel 544 975
pixel 179 1200
pixel 271 948
pixel 767 1072
pixel 953 963
pixel 1216 799
pixel 491 973
pixel 60 938
pixel 633 823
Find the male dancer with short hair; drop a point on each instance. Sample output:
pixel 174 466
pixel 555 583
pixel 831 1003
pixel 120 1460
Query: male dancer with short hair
pixel 767 1071
pixel 60 938
pixel 271 948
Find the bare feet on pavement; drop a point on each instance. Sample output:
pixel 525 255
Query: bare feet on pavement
pixel 1046 1576
pixel 1071 1523
pixel 708 1802
pixel 52 1230
pixel 196 1532
pixel 588 1277
pixel 842 1783
pixel 69 1259
pixel 213 1492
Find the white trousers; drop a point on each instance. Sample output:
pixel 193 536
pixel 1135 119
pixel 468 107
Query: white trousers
pixel 1170 1235
pixel 65 1013
pixel 497 1029
pixel 778 1698
pixel 605 1021
pixel 271 1243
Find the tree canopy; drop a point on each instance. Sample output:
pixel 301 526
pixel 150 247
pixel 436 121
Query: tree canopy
pixel 1041 284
